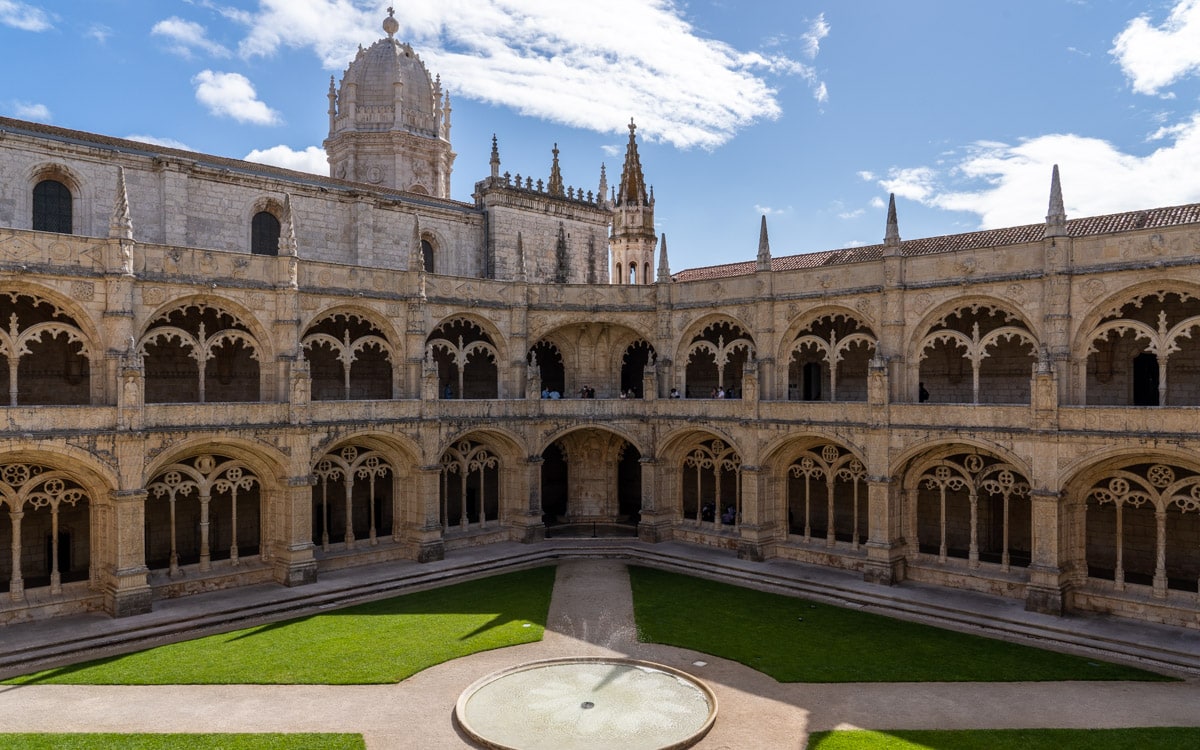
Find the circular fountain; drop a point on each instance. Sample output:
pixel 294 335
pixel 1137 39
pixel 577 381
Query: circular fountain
pixel 587 703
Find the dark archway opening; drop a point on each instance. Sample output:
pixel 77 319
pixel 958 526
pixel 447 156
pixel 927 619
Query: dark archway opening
pixel 554 486
pixel 629 486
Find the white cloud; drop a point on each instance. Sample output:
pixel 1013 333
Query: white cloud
pixel 99 32
pixel 1154 57
pixel 232 95
pixel 156 141
pixel 588 65
pixel 770 211
pixel 1097 178
pixel 32 111
pixel 184 37
pixel 24 16
pixel 311 159
pixel 856 213
pixel 877 202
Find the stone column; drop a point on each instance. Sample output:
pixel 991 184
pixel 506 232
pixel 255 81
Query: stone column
pixel 126 586
pixel 16 584
pixel 654 525
pixel 426 531
pixel 1046 591
pixel 529 524
pixel 755 531
pixel 885 542
pixel 293 561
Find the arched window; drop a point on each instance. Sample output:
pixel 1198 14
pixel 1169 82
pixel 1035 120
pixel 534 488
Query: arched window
pixel 264 234
pixel 427 255
pixel 52 207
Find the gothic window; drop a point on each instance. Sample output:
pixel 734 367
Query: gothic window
pixel 715 359
pixel 264 234
pixel 470 486
pixel 711 486
pixel 200 353
pixel 52 210
pixel 427 256
pixel 41 503
pixel 43 354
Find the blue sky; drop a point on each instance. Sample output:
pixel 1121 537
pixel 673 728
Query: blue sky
pixel 808 112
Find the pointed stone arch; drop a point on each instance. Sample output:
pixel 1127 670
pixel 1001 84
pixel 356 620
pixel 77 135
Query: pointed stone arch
pixel 714 351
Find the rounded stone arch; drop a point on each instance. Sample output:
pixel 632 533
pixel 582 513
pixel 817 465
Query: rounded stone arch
pixel 244 315
pixel 367 313
pixel 958 358
pixel 1131 357
pixel 38 343
pixel 264 459
pixel 267 204
pixel 1132 517
pixel 479 470
pixel 700 478
pixel 80 199
pixel 65 522
pixel 807 370
pixel 782 450
pixel 360 492
pixel 625 435
pixel 471 364
pixel 815 487
pixel 367 364
pixel 391 444
pixel 966 501
pixel 704 367
pixel 98 477
pixel 674 445
pixel 908 465
pixel 804 320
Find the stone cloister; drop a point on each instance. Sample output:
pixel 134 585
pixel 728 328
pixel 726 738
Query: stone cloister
pixel 221 374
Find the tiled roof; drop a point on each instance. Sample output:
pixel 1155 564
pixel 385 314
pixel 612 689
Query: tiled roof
pixel 217 162
pixel 1154 218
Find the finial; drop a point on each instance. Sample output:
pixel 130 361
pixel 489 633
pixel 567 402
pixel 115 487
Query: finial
pixel 1056 218
pixel 632 127
pixel 120 226
pixel 555 187
pixel 664 268
pixel 891 236
pixel 764 246
pixel 390 24
pixel 495 157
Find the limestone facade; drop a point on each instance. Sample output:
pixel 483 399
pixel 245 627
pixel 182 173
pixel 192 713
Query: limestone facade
pixel 1011 411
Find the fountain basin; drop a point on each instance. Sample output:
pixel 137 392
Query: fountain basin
pixel 587 703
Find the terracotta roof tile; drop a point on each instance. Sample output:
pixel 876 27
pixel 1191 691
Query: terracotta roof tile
pixel 1154 218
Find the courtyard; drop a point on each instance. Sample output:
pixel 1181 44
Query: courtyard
pixel 591 613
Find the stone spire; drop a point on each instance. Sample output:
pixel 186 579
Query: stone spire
pixel 332 104
pixel 602 193
pixel 632 242
pixel 495 157
pixel 555 187
pixel 891 237
pixel 287 231
pixel 1056 219
pixel 664 268
pixel 522 270
pixel 120 226
pixel 764 246
pixel 632 190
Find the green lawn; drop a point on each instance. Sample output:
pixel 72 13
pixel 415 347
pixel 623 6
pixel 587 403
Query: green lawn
pixel 378 642
pixel 795 640
pixel 181 742
pixel 1161 738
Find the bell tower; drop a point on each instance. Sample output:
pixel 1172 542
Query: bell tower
pixel 389 122
pixel 633 239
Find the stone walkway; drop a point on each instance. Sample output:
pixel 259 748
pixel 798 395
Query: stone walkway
pixel 591 614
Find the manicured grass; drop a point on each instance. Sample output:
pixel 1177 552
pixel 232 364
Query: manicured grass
pixel 378 642
pixel 795 640
pixel 1164 738
pixel 181 742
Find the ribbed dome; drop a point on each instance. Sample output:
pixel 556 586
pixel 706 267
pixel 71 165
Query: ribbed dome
pixel 374 73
